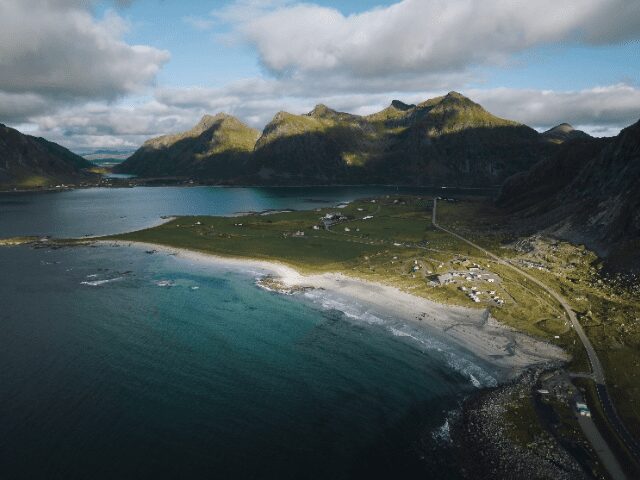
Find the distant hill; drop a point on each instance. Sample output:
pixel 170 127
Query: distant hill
pixel 563 133
pixel 107 155
pixel 218 148
pixel 27 161
pixel 448 139
pixel 589 192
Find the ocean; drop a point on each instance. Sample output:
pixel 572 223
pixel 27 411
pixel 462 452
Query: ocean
pixel 115 363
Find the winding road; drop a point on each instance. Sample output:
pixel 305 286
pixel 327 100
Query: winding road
pixel 596 367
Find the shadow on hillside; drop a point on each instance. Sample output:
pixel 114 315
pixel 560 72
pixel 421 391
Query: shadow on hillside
pixel 188 158
pixel 474 157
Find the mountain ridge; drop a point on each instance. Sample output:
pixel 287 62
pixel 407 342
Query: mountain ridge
pixel 448 139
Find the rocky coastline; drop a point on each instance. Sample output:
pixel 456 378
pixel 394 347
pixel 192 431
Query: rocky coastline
pixel 484 434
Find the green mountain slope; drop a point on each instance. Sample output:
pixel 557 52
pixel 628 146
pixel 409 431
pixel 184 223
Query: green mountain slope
pixel 217 148
pixel 453 140
pixel 448 139
pixel 323 146
pixel 27 161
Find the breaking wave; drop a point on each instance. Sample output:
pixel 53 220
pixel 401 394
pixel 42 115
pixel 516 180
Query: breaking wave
pixel 97 283
pixel 350 310
pixel 442 434
pixel 478 376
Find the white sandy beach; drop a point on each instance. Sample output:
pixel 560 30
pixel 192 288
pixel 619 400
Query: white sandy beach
pixel 473 330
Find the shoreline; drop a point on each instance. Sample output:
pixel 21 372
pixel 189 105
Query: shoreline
pixel 482 427
pixel 151 184
pixel 474 331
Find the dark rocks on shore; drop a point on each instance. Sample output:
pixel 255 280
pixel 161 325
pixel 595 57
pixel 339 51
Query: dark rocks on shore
pixel 487 451
pixel 275 285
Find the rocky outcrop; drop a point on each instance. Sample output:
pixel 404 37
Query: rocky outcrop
pixel 485 435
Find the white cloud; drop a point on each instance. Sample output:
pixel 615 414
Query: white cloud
pixel 96 125
pixel 54 55
pixel 425 37
pixel 602 110
pixel 55 51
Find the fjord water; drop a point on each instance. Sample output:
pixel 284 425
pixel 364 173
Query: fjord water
pixel 102 211
pixel 119 364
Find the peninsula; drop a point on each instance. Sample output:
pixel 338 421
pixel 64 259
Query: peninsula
pixel 391 254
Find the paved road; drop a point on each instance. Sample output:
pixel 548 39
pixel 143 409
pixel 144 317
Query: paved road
pixel 596 367
pixel 601 448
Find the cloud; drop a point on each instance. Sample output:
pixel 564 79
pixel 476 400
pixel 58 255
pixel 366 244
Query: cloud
pixel 66 71
pixel 600 109
pixel 423 37
pixel 97 125
pixel 54 52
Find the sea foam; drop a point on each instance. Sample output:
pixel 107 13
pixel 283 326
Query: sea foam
pixel 478 376
pixel 97 283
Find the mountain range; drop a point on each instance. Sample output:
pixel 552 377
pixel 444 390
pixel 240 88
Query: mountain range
pixel 562 181
pixel 448 139
pixel 27 162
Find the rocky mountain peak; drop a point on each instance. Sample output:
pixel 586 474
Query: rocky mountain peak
pixel 208 121
pixel 321 110
pixel 398 105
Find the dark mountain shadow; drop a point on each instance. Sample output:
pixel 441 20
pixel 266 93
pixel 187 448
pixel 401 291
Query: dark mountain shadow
pixel 309 158
pixel 471 157
pixel 587 193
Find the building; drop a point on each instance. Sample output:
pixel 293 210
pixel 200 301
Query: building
pixel 583 410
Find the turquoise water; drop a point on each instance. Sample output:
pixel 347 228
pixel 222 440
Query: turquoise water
pixel 119 364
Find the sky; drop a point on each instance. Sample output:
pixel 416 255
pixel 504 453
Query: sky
pixel 109 74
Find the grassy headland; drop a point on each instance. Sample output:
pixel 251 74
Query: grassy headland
pixel 391 240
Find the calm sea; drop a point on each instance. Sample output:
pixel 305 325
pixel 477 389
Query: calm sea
pixel 119 364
